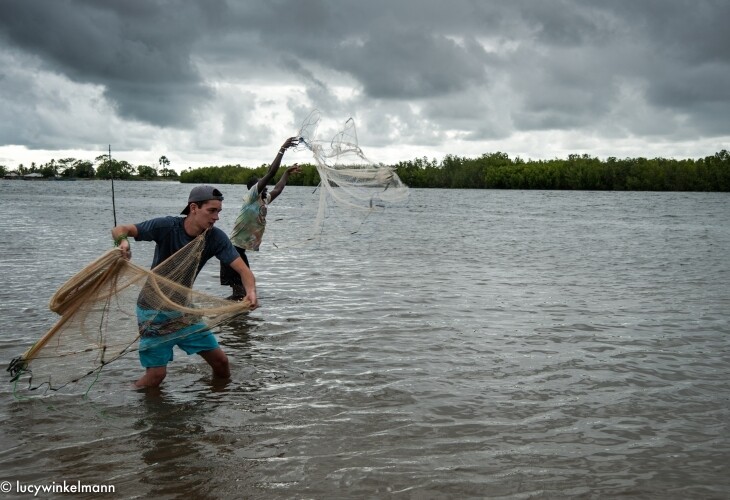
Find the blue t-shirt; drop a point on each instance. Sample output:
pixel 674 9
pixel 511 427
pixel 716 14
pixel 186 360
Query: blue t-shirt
pixel 170 236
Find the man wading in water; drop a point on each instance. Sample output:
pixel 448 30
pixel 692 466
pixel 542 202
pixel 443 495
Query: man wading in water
pixel 171 234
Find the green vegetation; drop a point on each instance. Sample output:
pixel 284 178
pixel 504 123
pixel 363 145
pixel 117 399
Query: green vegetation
pixel 489 171
pixel 498 171
pixel 100 168
pixel 236 174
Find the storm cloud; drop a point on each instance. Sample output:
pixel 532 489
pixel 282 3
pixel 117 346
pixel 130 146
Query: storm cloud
pixel 219 81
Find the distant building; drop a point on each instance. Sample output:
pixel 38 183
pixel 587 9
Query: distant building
pixel 33 176
pixel 12 175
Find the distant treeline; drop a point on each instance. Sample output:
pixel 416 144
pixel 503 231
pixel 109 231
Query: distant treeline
pixel 103 167
pixel 489 171
pixel 236 174
pixel 499 171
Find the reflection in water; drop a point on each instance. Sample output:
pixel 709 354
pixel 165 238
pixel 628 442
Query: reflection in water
pixel 505 344
pixel 68 438
pixel 172 447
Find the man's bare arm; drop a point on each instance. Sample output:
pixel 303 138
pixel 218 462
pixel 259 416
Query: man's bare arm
pixel 248 280
pixel 120 234
pixel 274 167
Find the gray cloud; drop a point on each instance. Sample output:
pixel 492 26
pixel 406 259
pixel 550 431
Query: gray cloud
pixel 133 49
pixel 418 73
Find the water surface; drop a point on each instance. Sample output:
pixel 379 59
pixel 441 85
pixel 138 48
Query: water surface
pixel 466 344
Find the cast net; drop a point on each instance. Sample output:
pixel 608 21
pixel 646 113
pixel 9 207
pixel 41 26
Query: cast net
pixel 105 309
pixel 347 177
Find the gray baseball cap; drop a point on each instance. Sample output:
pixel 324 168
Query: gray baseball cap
pixel 202 193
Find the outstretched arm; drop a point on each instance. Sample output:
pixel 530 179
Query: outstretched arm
pixel 292 141
pixel 120 234
pixel 294 169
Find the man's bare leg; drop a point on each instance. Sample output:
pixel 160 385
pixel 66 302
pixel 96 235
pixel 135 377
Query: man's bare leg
pixel 152 377
pixel 217 360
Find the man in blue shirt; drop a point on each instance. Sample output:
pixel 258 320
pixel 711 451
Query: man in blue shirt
pixel 171 234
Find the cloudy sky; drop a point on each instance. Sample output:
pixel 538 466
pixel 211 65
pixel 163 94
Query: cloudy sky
pixel 216 82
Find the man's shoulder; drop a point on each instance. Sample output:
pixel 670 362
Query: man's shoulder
pixel 251 195
pixel 218 232
pixel 165 222
pixel 218 243
pixel 218 235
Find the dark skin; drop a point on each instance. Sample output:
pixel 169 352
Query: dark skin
pixel 274 167
pixel 294 169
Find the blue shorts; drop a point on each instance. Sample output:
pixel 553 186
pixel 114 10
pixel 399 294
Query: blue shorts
pixel 156 350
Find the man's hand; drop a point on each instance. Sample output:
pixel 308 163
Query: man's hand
pixel 120 234
pixel 126 249
pixel 251 297
pixel 289 143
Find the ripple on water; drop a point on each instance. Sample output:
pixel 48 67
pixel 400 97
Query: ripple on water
pixel 551 345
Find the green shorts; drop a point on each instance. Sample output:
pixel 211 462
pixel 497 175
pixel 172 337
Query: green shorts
pixel 156 350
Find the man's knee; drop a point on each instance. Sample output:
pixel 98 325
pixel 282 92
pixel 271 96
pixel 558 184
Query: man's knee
pixel 218 360
pixel 153 377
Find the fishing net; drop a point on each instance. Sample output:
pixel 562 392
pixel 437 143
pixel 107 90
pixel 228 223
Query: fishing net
pixel 347 177
pixel 108 305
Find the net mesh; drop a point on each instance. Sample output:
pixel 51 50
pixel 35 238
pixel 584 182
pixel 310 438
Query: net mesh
pixel 347 177
pixel 111 303
pixel 105 309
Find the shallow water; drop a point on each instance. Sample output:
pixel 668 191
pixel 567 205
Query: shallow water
pixel 466 344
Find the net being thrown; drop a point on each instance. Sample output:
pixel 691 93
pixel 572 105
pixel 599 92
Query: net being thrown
pixel 105 306
pixel 347 176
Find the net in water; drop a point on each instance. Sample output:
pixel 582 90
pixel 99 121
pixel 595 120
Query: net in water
pixel 108 305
